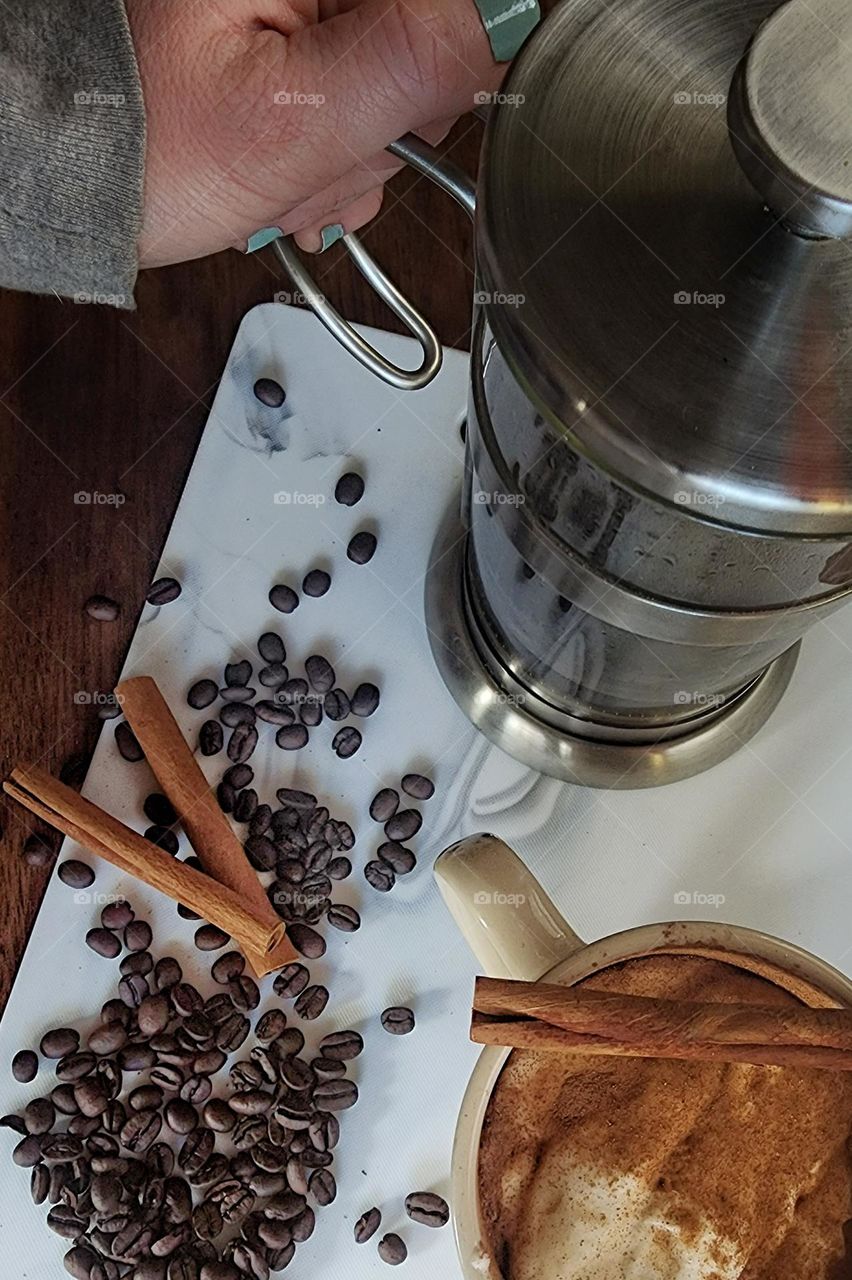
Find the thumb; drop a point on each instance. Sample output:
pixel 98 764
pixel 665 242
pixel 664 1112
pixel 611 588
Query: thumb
pixel 377 71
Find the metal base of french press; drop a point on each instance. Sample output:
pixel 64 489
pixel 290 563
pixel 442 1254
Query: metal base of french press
pixel 523 725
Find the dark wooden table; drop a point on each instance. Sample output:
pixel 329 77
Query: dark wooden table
pixel 99 401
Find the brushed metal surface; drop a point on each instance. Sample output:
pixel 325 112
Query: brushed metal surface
pixel 677 331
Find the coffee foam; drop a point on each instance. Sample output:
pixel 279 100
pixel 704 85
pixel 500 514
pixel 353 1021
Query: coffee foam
pixel 629 1168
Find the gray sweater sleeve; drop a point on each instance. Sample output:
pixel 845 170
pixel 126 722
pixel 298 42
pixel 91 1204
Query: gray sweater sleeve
pixel 72 149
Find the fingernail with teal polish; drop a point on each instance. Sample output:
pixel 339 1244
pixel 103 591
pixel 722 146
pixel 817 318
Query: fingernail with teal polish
pixel 330 235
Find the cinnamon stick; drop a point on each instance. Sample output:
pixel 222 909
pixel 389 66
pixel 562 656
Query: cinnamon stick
pixel 546 1016
pixel 209 831
pixel 106 836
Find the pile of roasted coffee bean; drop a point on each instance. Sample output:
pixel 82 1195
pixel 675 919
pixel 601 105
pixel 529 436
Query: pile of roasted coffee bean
pixel 251 1168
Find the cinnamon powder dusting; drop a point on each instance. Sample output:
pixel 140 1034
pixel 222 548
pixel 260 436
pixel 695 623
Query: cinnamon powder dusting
pixel 615 1168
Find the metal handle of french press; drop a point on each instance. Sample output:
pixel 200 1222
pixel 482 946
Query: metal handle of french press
pixel 428 161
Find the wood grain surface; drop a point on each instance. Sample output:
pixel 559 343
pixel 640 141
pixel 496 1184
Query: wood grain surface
pixel 95 400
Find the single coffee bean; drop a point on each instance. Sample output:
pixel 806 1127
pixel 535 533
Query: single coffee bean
pixel 242 743
pixel 80 1262
pixel 367 1225
pixel 138 935
pixel 322 1186
pixel 271 647
pixel 328 1069
pixel 417 786
pixel 137 1057
pixel 397 857
pixel 109 708
pixel 403 825
pixel 244 993
pixel 210 938
pixel 310 712
pixel 427 1208
pixel 343 917
pixel 346 742
pixel 231 1035
pixel 261 820
pixel 37 852
pixel 28 1152
pixel 58 1148
pixel 274 713
pixel 186 999
pixel 384 804
pixel 238 673
pixel 261 853
pixel 336 704
pixel 335 1095
pixel 398 1021
pixel 245 805
pixel 102 608
pixel 202 694
pixel 104 943
pixel 137 962
pixel 207 1221
pixel 117 915
pixel 163 591
pixel 392 1249
pixel 320 673
pixel 292 737
pixel 270 1026
pixel 365 699
pixel 238 776
pixel 341 1045
pixel 349 489
pixel 302 1228
pixel 76 874
pixel 307 941
pixel 226 796
pixel 91 1097
pixel 283 598
pixel 25 1066
pixel 311 1003
pixel 339 868
pixel 141 1130
pixel 133 990
pixel 40 1183
pixel 127 743
pixel 108 1038
pixel 63 1099
pixel 233 714
pixel 316 582
pixel 209 1062
pixel 380 876
pixel 227 967
pixel 75 1066
pixel 181 1116
pixel 60 1043
pixel 153 1014
pixel 362 547
pixel 196 1090
pixel 236 693
pixel 291 981
pixel 167 973
pixel 39 1116
pixel 251 1102
pixel 218 1116
pixel 210 738
pixel 15 1123
pixel 271 394
pixel 273 675
pixel 164 839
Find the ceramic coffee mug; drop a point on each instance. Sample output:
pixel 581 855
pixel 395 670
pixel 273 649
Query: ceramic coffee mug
pixel 515 931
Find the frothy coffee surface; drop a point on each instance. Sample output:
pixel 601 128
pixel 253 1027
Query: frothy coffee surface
pixel 639 1169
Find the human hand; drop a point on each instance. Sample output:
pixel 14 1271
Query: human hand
pixel 268 113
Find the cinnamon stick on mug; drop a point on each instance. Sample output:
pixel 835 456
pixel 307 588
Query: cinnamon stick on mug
pixel 209 831
pixel 548 1017
pixel 106 836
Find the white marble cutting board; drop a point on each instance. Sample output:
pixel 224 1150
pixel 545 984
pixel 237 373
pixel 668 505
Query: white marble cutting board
pixel 767 835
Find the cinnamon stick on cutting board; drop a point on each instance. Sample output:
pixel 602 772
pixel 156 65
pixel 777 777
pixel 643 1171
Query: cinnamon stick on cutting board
pixel 209 831
pixel 545 1016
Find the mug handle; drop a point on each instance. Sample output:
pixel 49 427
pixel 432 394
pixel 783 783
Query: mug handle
pixel 507 919
pixel 447 175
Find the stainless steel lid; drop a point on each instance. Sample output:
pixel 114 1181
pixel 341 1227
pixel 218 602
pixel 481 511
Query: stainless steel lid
pixel 667 185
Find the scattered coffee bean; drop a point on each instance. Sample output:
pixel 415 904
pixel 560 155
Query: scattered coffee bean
pixel 15 1123
pixel 398 1020
pixel 104 943
pixel 261 853
pixel 316 582
pixel 367 1225
pixel 238 775
pixel 341 1046
pixel 291 981
pixel 202 694
pixel 236 693
pixel 211 938
pixel 37 852
pixel 397 857
pixel 283 598
pixel 116 915
pixel 271 647
pixel 226 797
pixel 232 714
pixel 109 708
pixel 292 737
pixel 25 1066
pixel 349 489
pixel 218 1116
pixel 163 591
pixel 270 393
pixel 403 825
pixel 302 801
pixel 138 935
pixel 339 868
pixel 273 675
pixel 28 1152
pixel 417 786
pixel 320 673
pixel 380 876
pixel 159 809
pixel 127 743
pixel 133 990
pixel 346 742
pixel 102 608
pixel 274 713
pixel 153 1014
pixel 362 547
pixel 310 712
pixel 181 1116
pixel 164 839
pixel 343 917
pixel 392 1249
pixel 384 804
pixel 336 704
pixel 60 1043
pixel 108 1038
pixel 76 874
pixel 210 738
pixel 322 1186
pixel 311 1003
pixel 242 743
pixel 306 940
pixel 238 673
pixel 427 1208
pixel 40 1183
